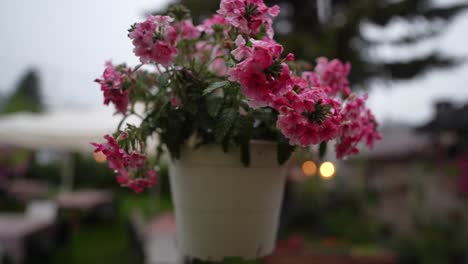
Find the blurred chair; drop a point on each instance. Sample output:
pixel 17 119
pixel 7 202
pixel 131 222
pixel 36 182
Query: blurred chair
pixel 154 240
pixel 42 244
pixel 25 238
pixel 42 209
pixel 14 163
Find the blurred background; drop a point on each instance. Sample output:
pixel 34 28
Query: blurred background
pixel 403 202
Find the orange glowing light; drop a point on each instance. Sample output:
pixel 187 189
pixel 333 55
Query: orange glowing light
pixel 99 157
pixel 309 168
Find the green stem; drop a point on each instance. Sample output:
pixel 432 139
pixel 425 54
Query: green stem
pixel 137 67
pixel 121 122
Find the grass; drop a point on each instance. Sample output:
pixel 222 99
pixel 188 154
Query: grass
pixel 93 244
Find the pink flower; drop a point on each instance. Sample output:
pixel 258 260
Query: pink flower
pixel 115 156
pixel 163 53
pixel 111 87
pixel 242 51
pixel 214 56
pixel 218 66
pixel 203 51
pixel 135 160
pixel 207 25
pixel 331 75
pixel 127 165
pixel 301 84
pixel 249 16
pixel 312 79
pixel 175 101
pixel 269 45
pixel 359 125
pixel 138 185
pixel 274 11
pixel 308 118
pixel 123 178
pixel 262 75
pixel 154 40
pixel 290 57
pixel 189 31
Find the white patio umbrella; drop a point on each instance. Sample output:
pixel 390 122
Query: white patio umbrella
pixel 66 131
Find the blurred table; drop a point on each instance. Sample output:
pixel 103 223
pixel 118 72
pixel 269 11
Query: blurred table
pixel 15 229
pixel 25 190
pixel 87 204
pixel 83 199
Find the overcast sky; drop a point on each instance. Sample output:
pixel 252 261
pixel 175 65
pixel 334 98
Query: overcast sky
pixel 68 41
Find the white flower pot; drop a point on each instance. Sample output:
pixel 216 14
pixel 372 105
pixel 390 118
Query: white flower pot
pixel 224 209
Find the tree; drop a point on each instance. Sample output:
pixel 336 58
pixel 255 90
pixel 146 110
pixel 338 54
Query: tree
pixel 26 96
pixel 332 28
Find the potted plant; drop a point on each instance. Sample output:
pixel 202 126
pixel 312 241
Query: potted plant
pixel 229 106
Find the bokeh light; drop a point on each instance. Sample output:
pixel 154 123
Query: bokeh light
pixel 309 168
pixel 99 157
pixel 327 170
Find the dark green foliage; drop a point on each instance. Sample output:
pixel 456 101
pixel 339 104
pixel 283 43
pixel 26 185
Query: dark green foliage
pixel 179 12
pixel 300 30
pixel 244 126
pixel 211 111
pixel 226 122
pixel 108 240
pixel 215 86
pixel 322 149
pixel 434 242
pixel 26 96
pixel 284 149
pixel 87 173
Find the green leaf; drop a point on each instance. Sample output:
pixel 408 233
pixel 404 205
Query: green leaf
pixel 212 87
pixel 322 149
pixel 244 129
pixel 226 122
pixel 214 106
pixel 191 108
pixel 163 79
pixel 284 150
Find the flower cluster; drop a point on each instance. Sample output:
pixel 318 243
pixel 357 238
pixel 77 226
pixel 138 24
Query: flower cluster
pixel 226 81
pixel 358 125
pixel 261 72
pixel 128 165
pixel 308 118
pixel 209 23
pixel 250 17
pixel 331 75
pixel 187 30
pixel 112 87
pixel 155 39
pixel 214 55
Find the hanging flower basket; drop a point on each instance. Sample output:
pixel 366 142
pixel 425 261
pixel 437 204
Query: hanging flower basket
pixel 225 87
